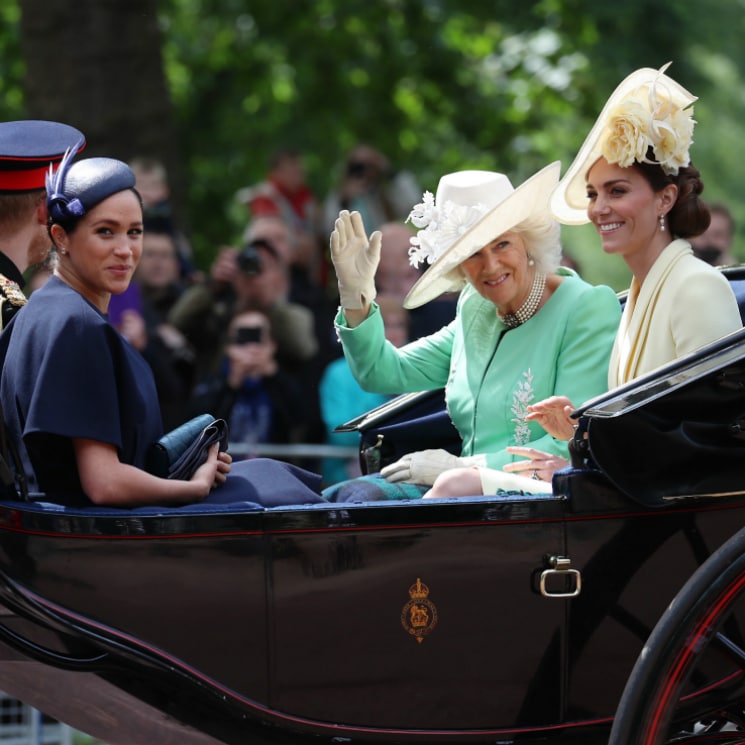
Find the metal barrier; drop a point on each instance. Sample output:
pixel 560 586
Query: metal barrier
pixel 23 725
pixel 292 452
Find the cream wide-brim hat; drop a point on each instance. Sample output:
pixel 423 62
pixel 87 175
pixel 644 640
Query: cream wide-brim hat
pixel 569 199
pixel 507 207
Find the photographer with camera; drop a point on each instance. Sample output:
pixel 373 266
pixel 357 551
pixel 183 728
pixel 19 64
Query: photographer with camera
pixel 256 277
pixel 260 401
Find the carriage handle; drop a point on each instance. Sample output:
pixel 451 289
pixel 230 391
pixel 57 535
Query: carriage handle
pixel 570 578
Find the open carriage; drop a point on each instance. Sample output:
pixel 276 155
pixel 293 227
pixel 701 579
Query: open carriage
pixel 509 619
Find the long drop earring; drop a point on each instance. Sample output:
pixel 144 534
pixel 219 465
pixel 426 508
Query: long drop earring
pixel 662 223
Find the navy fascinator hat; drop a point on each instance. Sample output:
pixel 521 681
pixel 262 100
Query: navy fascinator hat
pixel 76 188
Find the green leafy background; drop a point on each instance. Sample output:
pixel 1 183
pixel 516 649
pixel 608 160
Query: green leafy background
pixel 437 85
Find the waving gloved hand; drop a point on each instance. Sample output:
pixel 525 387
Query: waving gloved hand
pixel 355 260
pixel 424 466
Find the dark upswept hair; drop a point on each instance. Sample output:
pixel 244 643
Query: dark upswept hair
pixel 689 216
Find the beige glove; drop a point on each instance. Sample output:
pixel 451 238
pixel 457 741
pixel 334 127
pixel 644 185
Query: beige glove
pixel 424 466
pixel 355 260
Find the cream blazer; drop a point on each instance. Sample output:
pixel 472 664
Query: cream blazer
pixel 682 305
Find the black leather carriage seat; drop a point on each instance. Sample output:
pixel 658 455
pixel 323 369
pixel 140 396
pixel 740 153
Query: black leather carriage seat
pixel 738 286
pixel 736 277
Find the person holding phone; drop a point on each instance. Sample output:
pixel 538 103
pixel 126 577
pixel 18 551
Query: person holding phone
pixel 260 401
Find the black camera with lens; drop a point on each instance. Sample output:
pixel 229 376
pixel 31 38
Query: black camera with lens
pixel 249 259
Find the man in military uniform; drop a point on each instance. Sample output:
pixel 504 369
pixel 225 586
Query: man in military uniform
pixel 27 149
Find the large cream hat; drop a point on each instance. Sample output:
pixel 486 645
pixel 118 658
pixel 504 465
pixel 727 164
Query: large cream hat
pixel 648 109
pixel 470 210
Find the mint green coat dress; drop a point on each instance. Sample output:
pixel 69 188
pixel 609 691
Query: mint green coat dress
pixel 491 373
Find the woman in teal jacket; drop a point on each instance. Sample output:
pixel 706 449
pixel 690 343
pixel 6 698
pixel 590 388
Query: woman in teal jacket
pixel 525 328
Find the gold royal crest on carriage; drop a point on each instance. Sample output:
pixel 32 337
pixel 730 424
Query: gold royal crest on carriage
pixel 419 615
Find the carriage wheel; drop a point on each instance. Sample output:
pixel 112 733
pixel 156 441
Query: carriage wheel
pixel 688 685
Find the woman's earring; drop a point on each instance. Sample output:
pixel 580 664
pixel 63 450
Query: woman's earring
pixel 531 262
pixel 63 251
pixel 662 223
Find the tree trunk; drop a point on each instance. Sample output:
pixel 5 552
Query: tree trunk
pixel 97 64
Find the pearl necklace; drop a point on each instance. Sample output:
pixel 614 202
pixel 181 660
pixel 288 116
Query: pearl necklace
pixel 529 307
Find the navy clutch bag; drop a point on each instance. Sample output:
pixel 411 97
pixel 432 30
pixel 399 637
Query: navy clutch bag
pixel 179 453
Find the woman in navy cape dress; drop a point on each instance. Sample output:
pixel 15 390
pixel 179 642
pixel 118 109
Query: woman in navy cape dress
pixel 70 377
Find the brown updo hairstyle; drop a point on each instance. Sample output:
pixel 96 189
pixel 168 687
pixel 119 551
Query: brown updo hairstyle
pixel 689 216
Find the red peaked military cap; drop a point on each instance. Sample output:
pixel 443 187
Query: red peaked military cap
pixel 28 147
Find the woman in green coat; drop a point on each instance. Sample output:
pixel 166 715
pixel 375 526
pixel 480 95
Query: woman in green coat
pixel 525 328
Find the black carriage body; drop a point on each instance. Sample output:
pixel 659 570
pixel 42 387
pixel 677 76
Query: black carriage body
pixel 374 623
pixel 513 619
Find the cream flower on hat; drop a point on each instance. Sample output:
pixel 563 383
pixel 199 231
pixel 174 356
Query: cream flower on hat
pixel 673 137
pixel 625 140
pixel 649 118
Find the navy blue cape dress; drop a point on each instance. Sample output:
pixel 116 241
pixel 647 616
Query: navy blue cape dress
pixel 67 373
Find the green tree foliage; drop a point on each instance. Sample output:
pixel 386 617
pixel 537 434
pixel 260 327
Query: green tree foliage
pixel 437 85
pixel 434 87
pixel 11 91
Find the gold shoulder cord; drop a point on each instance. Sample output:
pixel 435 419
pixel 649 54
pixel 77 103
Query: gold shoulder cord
pixel 10 292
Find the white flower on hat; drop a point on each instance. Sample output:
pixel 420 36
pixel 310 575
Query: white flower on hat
pixel 440 227
pixel 424 212
pixel 648 118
